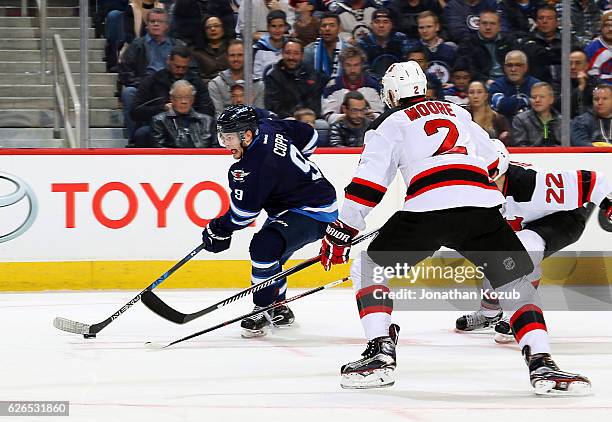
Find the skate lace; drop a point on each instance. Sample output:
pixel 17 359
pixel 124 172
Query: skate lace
pixel 258 316
pixel 475 319
pixel 370 349
pixel 550 363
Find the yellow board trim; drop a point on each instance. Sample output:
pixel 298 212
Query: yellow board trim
pixel 230 274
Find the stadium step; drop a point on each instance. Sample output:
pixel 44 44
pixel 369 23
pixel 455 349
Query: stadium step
pixel 23 55
pixel 52 22
pixel 43 118
pixel 7 103
pixel 30 67
pixel 34 44
pixel 35 32
pixel 32 78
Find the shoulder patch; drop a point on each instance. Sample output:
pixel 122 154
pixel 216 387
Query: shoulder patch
pixel 239 175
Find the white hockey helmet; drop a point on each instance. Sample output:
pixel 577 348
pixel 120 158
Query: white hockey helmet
pixel 504 158
pixel 403 80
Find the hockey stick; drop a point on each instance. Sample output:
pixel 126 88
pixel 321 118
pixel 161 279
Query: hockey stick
pixel 155 304
pixel 152 345
pixel 89 331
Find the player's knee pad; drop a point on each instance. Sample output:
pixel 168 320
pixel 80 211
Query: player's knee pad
pixel 267 245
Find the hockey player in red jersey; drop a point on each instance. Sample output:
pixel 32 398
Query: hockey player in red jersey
pixel 547 210
pixel 445 159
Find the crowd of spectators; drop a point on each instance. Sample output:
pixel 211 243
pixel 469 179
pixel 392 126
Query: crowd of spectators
pixel 180 62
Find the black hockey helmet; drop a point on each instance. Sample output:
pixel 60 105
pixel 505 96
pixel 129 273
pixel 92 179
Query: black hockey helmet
pixel 238 118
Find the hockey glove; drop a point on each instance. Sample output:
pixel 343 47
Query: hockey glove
pixel 215 238
pixel 336 244
pixel 606 206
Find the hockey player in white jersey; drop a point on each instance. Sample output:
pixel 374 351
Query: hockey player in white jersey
pixel 445 159
pixel 547 210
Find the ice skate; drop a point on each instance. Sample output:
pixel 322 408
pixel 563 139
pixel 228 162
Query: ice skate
pixel 256 325
pixel 283 316
pixel 547 379
pixel 503 332
pixel 477 321
pixel 376 367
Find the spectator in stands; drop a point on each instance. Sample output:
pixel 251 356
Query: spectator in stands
pixel 599 51
pixel 324 54
pixel 441 53
pixel 186 23
pixel 122 27
pixel 352 78
pixel 305 115
pixel 487 48
pixel 540 126
pixel 583 84
pixel 152 96
pixel 224 9
pixel 543 48
pixel 406 12
pixel 293 83
pixel 306 26
pixel 586 20
pixel 355 15
pixel 594 128
pixel 145 56
pixel 260 10
pixel 349 129
pixel 267 50
pixel 103 9
pixel 181 126
pixel 210 53
pixel 420 55
pixel 460 80
pixel 220 87
pixel 462 17
pixel 382 46
pixel 521 16
pixel 510 93
pixel 493 123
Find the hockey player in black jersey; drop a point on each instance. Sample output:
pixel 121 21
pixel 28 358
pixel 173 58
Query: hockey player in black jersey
pixel 273 173
pixel 548 211
pixel 445 160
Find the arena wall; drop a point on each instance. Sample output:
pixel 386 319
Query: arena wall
pixel 117 219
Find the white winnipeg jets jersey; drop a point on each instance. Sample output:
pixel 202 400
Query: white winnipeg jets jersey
pixel 532 193
pixel 443 156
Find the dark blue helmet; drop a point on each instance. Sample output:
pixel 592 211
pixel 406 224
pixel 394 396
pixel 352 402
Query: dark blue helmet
pixel 238 118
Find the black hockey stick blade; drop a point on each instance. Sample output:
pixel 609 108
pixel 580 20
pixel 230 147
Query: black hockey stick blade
pixel 88 330
pixel 158 346
pixel 158 306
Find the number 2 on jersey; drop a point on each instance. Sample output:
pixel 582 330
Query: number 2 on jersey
pixel 448 145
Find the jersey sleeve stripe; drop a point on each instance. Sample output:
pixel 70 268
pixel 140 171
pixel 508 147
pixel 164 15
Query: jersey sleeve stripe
pixel 242 213
pixel 580 189
pixel 369 184
pixel 592 181
pixel 311 145
pixel 365 192
pixel 360 200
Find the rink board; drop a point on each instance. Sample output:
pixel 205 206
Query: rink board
pixel 117 219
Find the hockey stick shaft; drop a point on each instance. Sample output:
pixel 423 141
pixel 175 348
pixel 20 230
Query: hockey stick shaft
pixel 158 306
pixel 81 328
pixel 250 314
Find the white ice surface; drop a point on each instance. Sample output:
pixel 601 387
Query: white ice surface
pixel 292 375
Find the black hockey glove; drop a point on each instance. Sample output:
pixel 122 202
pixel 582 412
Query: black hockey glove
pixel 215 238
pixel 606 206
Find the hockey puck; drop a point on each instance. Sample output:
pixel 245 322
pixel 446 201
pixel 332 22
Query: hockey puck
pixel 87 335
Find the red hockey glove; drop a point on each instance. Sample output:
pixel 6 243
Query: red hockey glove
pixel 336 244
